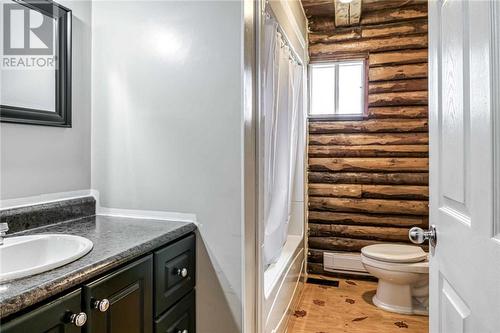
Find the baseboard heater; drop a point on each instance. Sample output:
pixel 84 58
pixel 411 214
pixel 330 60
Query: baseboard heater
pixel 343 262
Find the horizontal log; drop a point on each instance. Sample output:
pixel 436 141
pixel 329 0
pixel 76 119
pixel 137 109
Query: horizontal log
pixel 322 14
pixel 373 125
pixel 319 50
pixel 399 57
pixel 331 244
pixel 327 7
pixel 335 190
pixel 338 35
pixel 315 268
pixel 397 86
pixel 346 164
pixel 340 243
pixel 395 192
pixel 351 33
pixel 399 98
pixel 369 191
pixel 369 151
pixel 355 139
pixel 398 29
pixel 389 234
pixel 398 72
pixel 390 15
pixel 318 7
pixel 398 112
pixel 379 206
pixel 367 219
pixel 372 5
pixel 315 256
pixel 321 23
pixel 369 178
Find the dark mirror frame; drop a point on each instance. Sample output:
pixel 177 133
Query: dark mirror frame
pixel 62 115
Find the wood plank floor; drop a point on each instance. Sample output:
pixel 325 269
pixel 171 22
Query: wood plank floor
pixel 348 308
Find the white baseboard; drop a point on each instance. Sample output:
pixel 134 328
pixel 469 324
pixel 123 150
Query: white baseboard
pixel 343 262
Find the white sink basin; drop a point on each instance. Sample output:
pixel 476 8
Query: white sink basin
pixel 29 255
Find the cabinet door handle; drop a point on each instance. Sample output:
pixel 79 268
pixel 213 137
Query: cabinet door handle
pixel 78 319
pixel 182 272
pixel 102 305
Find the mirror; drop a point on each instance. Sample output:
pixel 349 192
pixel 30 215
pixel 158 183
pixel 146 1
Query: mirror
pixel 35 72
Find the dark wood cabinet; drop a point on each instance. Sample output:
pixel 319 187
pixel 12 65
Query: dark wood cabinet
pixel 122 301
pixel 129 292
pixel 180 318
pixel 174 273
pixel 54 317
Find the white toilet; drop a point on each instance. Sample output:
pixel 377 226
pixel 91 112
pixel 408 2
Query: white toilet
pixel 403 277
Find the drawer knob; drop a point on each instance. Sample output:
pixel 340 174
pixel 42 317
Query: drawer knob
pixel 102 305
pixel 182 272
pixel 78 319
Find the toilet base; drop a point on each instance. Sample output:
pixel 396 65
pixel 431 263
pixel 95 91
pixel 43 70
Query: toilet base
pixel 398 298
pixel 417 309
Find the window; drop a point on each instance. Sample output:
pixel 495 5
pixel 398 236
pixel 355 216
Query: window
pixel 337 88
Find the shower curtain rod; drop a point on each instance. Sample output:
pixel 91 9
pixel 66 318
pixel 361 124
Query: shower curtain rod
pixel 269 11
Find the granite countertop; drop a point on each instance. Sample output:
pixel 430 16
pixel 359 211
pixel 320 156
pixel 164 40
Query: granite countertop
pixel 117 240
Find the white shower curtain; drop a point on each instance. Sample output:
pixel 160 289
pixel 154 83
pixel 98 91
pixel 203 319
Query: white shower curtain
pixel 281 92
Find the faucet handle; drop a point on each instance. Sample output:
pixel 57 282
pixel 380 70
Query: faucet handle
pixel 4 227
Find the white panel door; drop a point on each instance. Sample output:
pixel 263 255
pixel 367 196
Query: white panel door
pixel 464 177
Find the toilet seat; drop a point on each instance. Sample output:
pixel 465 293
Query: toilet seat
pixel 415 267
pixel 394 253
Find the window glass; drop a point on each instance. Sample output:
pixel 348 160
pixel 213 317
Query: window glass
pixel 323 94
pixel 350 88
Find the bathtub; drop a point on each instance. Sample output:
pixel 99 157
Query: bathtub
pixel 283 282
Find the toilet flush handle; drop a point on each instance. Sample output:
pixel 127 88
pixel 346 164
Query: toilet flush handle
pixel 418 235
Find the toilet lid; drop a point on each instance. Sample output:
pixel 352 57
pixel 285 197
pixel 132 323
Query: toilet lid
pixel 394 253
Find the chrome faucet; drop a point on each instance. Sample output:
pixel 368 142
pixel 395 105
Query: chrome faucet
pixel 4 227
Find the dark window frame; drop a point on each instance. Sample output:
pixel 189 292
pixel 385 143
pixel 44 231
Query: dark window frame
pixel 62 115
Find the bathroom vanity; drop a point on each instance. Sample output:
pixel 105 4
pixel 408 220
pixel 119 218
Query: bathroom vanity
pixel 139 277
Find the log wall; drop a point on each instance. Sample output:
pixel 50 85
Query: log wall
pixel 368 179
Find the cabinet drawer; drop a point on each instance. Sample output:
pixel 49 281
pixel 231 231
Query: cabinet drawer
pixel 52 317
pixel 128 294
pixel 180 318
pixel 174 273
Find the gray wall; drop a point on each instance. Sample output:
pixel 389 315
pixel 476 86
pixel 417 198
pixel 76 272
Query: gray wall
pixel 167 129
pixel 38 160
